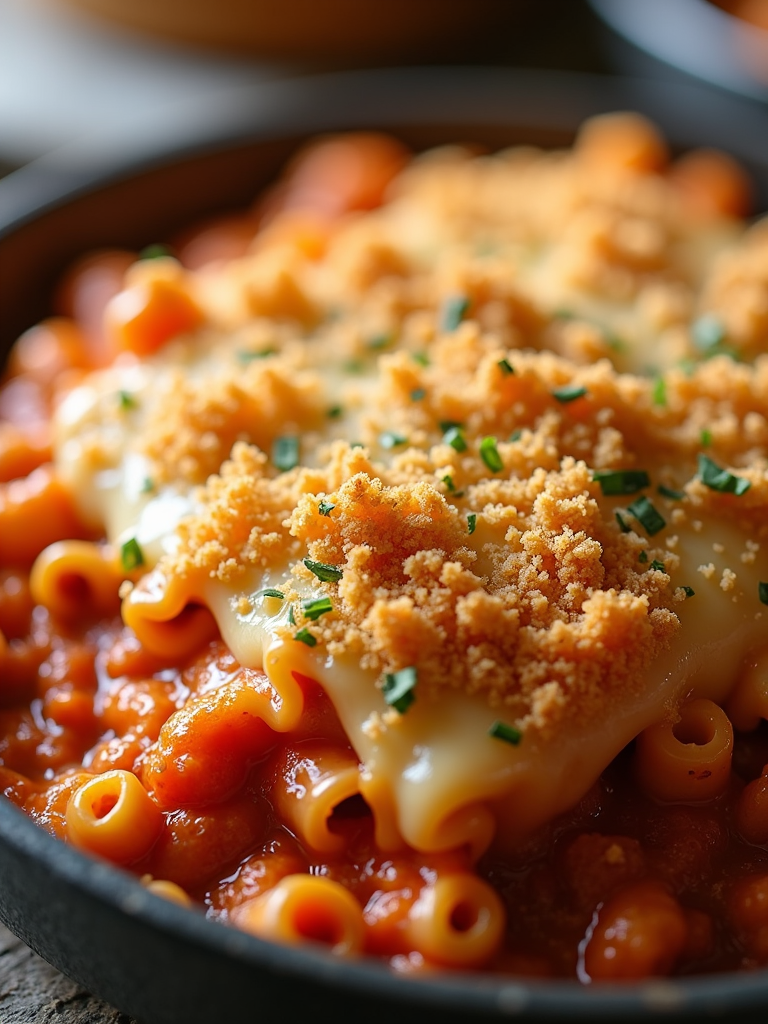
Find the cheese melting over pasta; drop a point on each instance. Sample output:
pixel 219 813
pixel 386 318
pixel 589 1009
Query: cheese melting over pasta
pixel 450 381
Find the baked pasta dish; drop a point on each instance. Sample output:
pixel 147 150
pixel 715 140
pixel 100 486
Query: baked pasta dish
pixel 386 566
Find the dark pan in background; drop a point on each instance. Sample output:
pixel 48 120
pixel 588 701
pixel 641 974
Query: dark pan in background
pixel 159 962
pixel 695 37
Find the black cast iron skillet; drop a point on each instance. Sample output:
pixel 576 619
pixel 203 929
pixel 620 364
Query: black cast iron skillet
pixel 159 962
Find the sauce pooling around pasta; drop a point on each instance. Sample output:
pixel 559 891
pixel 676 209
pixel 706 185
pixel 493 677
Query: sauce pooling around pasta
pixel 433 498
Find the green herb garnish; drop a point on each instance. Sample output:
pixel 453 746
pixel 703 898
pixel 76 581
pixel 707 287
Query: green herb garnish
pixel 708 332
pixel 417 394
pixel 705 437
pixel 325 508
pixel 313 608
pixel 334 412
pixel 489 453
pixel 324 572
pixel 659 393
pixel 657 565
pixel 453 311
pixel 131 555
pixel 569 393
pixel 623 525
pixel 471 521
pixel 762 592
pixel 688 591
pixel 507 733
pixel 147 485
pixel 378 342
pixel 717 479
pixel 645 512
pixel 127 401
pixel 291 616
pixel 450 485
pixel 668 492
pixel 621 481
pixel 353 366
pixel 271 592
pixel 421 358
pixel 516 435
pixel 506 367
pixel 398 688
pixel 305 637
pixel 246 355
pixel 389 439
pixel 155 251
pixel 643 557
pixel 454 436
pixel 285 452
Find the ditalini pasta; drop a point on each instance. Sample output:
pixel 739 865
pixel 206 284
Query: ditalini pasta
pixel 386 567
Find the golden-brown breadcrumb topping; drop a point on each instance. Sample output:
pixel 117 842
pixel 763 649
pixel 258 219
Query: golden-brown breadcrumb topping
pixel 454 370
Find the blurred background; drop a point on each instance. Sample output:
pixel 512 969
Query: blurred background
pixel 80 78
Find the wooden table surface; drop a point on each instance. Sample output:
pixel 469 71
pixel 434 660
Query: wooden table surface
pixel 32 992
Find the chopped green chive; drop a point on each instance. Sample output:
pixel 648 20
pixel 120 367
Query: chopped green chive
pixel 421 358
pixel 688 591
pixel 643 557
pixel 155 251
pixel 644 511
pixel 316 607
pixel 613 341
pixel 325 508
pixel 378 342
pixel 762 592
pixel 659 393
pixel 305 637
pixel 452 312
pixel 147 485
pixel 705 437
pixel 489 453
pixel 446 425
pixel 621 481
pixel 334 412
pixel 389 439
pixel 708 332
pixel 506 367
pixel 324 572
pixel 356 444
pixel 717 479
pixel 285 452
pixel 398 688
pixel 569 393
pixel 668 492
pixel 623 525
pixel 127 401
pixel 657 565
pixel 507 733
pixel 450 485
pixel 471 521
pixel 131 555
pixel 245 355
pixel 271 592
pixel 454 436
pixel 353 366
pixel 291 616
pixel 516 435
pixel 417 394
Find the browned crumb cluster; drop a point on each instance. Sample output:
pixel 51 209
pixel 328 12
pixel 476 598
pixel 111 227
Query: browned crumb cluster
pixel 493 563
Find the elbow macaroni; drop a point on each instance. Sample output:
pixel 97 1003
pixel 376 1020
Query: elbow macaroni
pixel 439 533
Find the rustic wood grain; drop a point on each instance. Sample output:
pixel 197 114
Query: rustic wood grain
pixel 33 992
